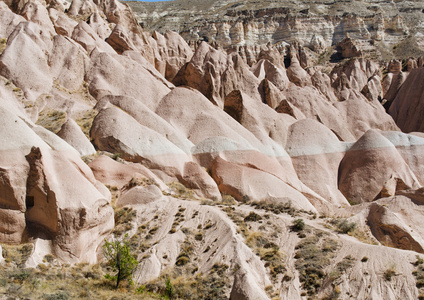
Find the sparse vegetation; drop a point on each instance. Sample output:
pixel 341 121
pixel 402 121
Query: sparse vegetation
pixel 419 275
pixel 181 191
pixel 123 220
pixel 298 225
pixel 252 217
pixel 18 254
pixel 86 120
pixel 120 260
pixel 3 42
pixel 268 252
pixel 314 254
pixel 275 207
pixel 214 285
pixel 343 225
pixel 228 200
pixel 53 280
pixel 389 273
pixel 138 181
pixel 346 263
pixel 51 119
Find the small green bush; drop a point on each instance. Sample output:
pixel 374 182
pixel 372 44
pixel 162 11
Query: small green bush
pixel 120 260
pixel 252 217
pixel 298 225
pixel 419 261
pixel 389 273
pixel 344 226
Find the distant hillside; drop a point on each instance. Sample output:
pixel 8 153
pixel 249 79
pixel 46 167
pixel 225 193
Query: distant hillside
pixel 379 25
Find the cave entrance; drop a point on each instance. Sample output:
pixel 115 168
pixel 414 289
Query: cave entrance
pixel 29 202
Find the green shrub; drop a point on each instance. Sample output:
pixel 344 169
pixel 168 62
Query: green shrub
pixel 275 207
pixel 120 260
pixel 198 236
pixel 343 225
pixel 389 273
pixel 298 225
pixel 169 289
pixel 419 261
pixel 252 217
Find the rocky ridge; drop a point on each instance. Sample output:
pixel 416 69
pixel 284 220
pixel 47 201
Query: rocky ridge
pixel 383 28
pixel 206 160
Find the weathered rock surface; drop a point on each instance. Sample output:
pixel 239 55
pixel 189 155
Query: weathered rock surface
pixel 375 156
pixel 74 136
pixel 50 193
pixel 208 174
pixel 316 25
pixel 407 107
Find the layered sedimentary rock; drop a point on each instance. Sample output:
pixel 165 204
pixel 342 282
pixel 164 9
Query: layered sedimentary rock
pixel 316 25
pixel 200 143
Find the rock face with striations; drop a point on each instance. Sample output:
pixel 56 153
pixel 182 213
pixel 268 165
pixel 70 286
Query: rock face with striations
pixel 232 23
pixel 211 151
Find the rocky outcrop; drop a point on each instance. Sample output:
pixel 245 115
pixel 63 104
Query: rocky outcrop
pixel 73 135
pixel 409 96
pixel 216 74
pixel 234 23
pixel 208 174
pixel 348 48
pixel 377 157
pixel 50 194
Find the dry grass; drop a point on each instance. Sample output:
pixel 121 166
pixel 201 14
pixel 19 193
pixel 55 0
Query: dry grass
pixel 184 285
pixel 275 207
pixel 314 254
pixel 51 119
pixel 408 48
pixel 123 220
pixel 52 280
pixel 85 121
pixel 180 191
pixel 2 45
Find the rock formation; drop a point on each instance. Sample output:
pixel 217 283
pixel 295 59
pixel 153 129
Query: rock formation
pixel 235 161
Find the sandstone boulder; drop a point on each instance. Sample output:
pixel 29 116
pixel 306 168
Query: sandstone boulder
pixel 315 106
pixel 316 153
pixel 391 231
pixel 372 156
pixel 116 174
pixel 349 48
pixel 276 74
pixel 63 25
pixel 410 96
pixel 174 53
pixel 113 74
pixel 68 63
pixel 100 25
pixel 139 195
pixel 216 74
pixel 73 135
pixel 296 73
pixel 119 40
pixel 115 131
pixel 148 118
pixel 24 61
pixel 89 40
pixel 248 184
pixel 9 20
pixel 204 119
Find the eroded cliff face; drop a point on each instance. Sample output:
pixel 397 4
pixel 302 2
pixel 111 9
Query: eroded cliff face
pixel 316 24
pixel 250 174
